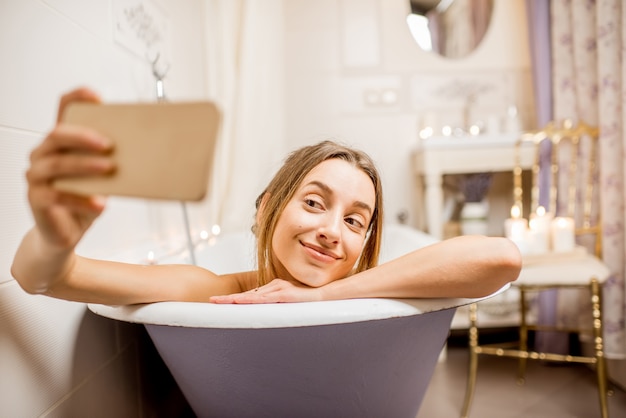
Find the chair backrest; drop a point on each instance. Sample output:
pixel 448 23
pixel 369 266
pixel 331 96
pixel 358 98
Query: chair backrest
pixel 572 179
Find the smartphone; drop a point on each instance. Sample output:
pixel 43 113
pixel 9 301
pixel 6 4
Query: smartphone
pixel 162 150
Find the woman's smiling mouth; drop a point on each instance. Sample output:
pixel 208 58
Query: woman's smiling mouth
pixel 319 253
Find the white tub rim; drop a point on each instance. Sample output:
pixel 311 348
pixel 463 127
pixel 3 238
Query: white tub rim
pixel 276 315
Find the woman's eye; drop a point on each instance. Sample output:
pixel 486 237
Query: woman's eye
pixel 312 203
pixel 354 222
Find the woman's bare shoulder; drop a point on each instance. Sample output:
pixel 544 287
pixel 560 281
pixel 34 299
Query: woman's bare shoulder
pixel 246 280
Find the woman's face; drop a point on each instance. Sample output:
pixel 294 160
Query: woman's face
pixel 320 234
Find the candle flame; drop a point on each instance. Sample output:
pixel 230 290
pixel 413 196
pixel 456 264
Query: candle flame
pixel 515 212
pixel 150 258
pixel 563 222
pixel 427 132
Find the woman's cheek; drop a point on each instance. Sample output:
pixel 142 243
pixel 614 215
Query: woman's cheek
pixel 356 248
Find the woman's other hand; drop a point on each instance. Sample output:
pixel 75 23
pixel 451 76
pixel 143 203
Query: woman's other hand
pixel 67 151
pixel 276 291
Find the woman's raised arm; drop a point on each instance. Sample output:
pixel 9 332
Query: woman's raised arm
pixel 46 253
pixel 45 262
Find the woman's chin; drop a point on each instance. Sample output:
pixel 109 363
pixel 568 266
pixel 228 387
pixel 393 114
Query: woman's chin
pixel 313 280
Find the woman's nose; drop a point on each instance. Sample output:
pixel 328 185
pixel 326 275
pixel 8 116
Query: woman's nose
pixel 330 230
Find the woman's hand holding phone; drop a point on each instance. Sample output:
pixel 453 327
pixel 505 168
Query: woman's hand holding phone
pixel 67 151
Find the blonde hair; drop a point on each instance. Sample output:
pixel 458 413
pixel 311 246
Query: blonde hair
pixel 285 183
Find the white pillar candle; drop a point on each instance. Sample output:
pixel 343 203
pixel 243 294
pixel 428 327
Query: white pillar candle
pixel 539 231
pixel 538 241
pixel 563 234
pixel 541 220
pixel 515 229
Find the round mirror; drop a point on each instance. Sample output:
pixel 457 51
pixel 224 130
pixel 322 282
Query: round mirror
pixel 450 28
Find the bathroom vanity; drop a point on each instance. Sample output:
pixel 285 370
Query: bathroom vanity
pixel 437 156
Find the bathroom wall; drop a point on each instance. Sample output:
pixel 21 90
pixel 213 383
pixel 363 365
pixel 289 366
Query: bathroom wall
pixel 355 73
pixel 57 360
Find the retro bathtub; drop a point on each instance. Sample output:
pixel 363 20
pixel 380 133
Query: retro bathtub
pixel 351 358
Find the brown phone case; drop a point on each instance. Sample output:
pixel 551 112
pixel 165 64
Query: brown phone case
pixel 162 150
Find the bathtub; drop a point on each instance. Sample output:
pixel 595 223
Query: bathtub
pixel 350 358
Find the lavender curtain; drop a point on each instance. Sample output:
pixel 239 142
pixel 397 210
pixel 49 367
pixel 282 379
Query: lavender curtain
pixel 538 12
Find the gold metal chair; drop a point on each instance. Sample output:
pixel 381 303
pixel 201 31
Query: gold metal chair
pixel 577 269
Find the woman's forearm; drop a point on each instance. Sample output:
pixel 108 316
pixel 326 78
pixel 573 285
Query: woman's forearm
pixel 40 268
pixel 43 268
pixel 37 265
pixel 467 266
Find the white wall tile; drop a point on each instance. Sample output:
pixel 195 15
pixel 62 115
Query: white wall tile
pixel 43 55
pixel 93 16
pixel 15 218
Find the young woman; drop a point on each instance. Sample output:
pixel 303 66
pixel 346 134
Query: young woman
pixel 318 226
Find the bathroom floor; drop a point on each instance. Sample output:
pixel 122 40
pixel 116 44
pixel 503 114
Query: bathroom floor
pixel 551 391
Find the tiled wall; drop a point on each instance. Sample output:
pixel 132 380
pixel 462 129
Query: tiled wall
pixel 57 359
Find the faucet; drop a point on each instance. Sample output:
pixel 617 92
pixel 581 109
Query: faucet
pixel 159 73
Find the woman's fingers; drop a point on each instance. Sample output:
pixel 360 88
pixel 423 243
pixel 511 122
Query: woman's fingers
pixel 70 151
pixel 53 167
pixel 62 217
pixel 245 298
pixel 277 291
pixel 263 294
pixel 65 138
pixel 43 197
pixel 82 94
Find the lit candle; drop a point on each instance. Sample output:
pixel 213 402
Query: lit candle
pixel 539 231
pixel 515 229
pixel 150 259
pixel 563 234
pixel 540 220
pixel 426 132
